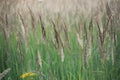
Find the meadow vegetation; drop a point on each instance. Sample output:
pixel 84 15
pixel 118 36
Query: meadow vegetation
pixel 38 44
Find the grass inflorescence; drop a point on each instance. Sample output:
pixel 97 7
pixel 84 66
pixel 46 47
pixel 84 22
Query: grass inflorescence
pixel 58 48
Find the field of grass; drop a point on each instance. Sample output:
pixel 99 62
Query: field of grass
pixel 57 49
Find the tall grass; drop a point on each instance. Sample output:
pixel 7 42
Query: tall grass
pixel 59 49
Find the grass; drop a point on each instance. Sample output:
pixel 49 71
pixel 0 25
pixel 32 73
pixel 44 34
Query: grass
pixel 55 50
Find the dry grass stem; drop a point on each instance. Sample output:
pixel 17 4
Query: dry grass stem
pixel 38 59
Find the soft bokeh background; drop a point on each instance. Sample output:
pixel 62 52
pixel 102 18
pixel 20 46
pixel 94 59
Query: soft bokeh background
pixel 60 39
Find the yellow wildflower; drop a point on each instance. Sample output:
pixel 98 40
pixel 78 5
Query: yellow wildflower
pixel 27 74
